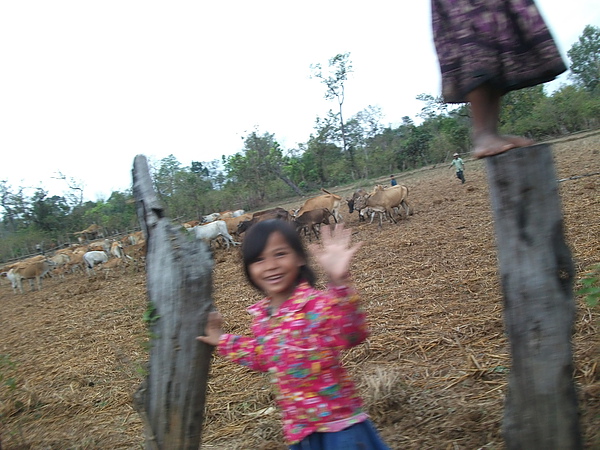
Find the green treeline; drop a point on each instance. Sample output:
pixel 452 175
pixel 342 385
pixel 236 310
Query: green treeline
pixel 338 151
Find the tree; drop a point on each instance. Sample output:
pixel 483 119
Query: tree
pixel 75 186
pixel 165 176
pixel 270 154
pixel 48 213
pixel 180 188
pixel 257 173
pixel 517 107
pixel 321 152
pixel 199 169
pixel 14 205
pixel 362 127
pixel 384 149
pixel 434 106
pixel 585 58
pixel 339 68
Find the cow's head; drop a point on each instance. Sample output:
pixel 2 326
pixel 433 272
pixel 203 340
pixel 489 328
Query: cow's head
pixel 243 226
pixel 350 202
pixel 360 203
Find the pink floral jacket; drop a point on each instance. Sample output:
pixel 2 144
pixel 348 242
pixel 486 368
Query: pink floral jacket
pixel 300 346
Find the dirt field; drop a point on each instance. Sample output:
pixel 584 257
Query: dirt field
pixel 433 373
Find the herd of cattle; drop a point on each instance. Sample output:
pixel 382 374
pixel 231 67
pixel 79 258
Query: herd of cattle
pixel 111 254
pixel 226 226
pixel 229 225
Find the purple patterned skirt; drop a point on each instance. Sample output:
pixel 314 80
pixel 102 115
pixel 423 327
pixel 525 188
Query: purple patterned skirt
pixel 502 42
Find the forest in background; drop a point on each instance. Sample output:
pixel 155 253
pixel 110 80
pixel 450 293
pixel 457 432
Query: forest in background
pixel 338 152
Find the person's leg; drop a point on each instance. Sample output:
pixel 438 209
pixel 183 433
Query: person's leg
pixel 485 108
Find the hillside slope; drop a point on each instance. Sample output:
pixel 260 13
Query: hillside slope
pixel 433 372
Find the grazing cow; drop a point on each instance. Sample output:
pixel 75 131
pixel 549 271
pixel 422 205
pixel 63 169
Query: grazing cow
pixel 135 238
pixel 385 200
pixel 60 260
pixel 10 276
pixel 210 218
pixel 330 201
pixel 233 222
pixel 311 219
pixel 92 232
pixel 114 264
pixel 77 262
pixel 212 231
pixel 31 270
pixel 137 253
pixel 370 212
pixel 259 216
pixel 230 214
pixel 100 246
pixel 225 215
pixel 94 258
pixel 351 202
pixel 191 224
pixel 117 250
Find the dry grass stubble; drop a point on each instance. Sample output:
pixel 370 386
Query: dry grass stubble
pixel 433 372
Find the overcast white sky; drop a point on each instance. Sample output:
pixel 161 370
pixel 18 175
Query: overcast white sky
pixel 85 86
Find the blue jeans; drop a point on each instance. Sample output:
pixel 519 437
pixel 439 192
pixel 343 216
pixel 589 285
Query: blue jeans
pixel 361 436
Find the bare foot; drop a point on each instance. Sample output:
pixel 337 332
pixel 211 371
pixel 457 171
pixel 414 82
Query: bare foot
pixel 494 144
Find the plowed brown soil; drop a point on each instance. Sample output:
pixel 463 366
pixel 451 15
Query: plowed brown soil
pixel 433 373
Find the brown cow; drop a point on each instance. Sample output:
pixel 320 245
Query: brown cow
pixel 191 224
pixel 330 201
pixel 136 238
pixel 233 222
pixel 385 200
pixel 117 250
pixel 60 261
pixel 92 232
pixel 32 270
pixel 259 216
pixel 311 219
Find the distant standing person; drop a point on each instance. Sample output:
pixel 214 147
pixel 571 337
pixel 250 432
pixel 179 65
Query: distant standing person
pixel 393 180
pixel 459 164
pixel 487 48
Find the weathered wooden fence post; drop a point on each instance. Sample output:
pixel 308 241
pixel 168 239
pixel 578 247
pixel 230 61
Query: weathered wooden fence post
pixel 172 398
pixel 537 273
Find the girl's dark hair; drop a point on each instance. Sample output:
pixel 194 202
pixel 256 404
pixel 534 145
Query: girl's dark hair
pixel 256 239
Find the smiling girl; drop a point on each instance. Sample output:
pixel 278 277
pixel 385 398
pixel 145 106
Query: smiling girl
pixel 299 334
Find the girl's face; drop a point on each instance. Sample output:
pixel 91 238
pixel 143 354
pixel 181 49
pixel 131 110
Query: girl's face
pixel 276 270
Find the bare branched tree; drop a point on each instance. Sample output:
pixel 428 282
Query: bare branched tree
pixel 76 186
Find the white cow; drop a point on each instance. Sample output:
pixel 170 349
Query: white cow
pixel 10 275
pixel 94 258
pixel 211 218
pixel 212 231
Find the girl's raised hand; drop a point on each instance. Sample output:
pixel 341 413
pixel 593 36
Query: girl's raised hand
pixel 213 329
pixel 336 252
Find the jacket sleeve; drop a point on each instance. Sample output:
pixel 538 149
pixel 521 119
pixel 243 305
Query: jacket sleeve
pixel 347 318
pixel 246 351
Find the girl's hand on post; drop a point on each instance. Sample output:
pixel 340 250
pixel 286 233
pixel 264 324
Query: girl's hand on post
pixel 336 253
pixel 213 329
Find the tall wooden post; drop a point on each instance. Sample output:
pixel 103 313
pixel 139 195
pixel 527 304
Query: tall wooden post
pixel 172 398
pixel 537 273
